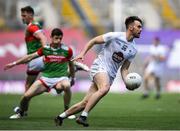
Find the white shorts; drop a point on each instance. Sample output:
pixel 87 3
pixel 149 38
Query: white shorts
pixel 97 68
pixel 155 70
pixel 50 83
pixel 35 66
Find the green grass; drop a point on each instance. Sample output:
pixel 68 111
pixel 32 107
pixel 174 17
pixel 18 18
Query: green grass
pixel 115 111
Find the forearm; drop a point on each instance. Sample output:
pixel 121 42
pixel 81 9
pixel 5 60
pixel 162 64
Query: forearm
pixel 26 58
pixel 71 70
pixel 23 60
pixel 124 69
pixel 41 37
pixel 43 41
pixel 89 45
pixel 124 73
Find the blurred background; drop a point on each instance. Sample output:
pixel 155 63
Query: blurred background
pixel 83 19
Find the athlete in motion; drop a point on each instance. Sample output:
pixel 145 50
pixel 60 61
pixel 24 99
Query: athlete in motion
pixel 55 74
pixel 118 52
pixel 154 67
pixel 35 39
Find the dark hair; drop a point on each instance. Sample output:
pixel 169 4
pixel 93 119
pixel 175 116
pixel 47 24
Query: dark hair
pixel 28 9
pixel 131 19
pixel 56 31
pixel 157 38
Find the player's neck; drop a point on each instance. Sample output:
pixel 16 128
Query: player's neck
pixel 30 21
pixel 129 36
pixel 54 46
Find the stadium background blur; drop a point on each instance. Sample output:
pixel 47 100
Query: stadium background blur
pixel 81 20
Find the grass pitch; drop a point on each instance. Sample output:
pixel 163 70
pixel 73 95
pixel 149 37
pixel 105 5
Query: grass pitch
pixel 114 111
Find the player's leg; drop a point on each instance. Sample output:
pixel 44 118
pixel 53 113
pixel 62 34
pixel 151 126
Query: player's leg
pixel 81 105
pixel 65 86
pixel 158 87
pixel 30 79
pixel 77 107
pixel 33 69
pixel 147 78
pixel 102 81
pixel 36 89
pixel 103 85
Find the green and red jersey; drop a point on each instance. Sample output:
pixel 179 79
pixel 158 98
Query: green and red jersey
pixel 32 43
pixel 56 60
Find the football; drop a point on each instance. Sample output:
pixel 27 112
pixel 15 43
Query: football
pixel 133 81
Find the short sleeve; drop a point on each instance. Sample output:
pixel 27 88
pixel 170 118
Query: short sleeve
pixel 70 53
pixel 107 36
pixel 163 51
pixel 111 35
pixel 40 51
pixel 132 57
pixel 33 28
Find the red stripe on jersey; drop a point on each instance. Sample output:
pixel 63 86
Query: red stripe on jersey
pixel 32 28
pixel 40 51
pixel 30 38
pixel 70 53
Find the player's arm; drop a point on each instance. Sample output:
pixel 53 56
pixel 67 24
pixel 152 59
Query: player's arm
pixel 22 60
pixel 71 69
pixel 124 69
pixel 81 66
pixel 40 35
pixel 160 58
pixel 89 45
pixel 146 62
pixel 72 72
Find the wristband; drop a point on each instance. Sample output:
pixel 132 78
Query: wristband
pixel 14 63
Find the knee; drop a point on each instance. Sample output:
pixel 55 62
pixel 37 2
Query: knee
pixel 104 90
pixel 66 87
pixel 83 103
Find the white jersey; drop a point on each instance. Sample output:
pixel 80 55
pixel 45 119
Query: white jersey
pixel 156 66
pixel 158 50
pixel 115 51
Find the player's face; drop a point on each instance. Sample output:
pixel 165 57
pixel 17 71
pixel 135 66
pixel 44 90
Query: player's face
pixel 137 28
pixel 56 40
pixel 26 18
pixel 156 42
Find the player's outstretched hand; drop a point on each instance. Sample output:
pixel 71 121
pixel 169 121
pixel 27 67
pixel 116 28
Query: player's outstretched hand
pixel 8 66
pixel 78 57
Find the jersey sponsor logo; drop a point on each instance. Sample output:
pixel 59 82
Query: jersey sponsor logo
pixel 52 58
pixel 118 57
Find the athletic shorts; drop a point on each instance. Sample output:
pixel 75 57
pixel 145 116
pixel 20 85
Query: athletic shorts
pixel 97 68
pixel 50 83
pixel 35 66
pixel 155 70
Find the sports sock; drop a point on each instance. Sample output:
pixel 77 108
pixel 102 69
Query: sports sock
pixel 63 115
pixel 84 114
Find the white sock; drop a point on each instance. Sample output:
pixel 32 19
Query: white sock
pixel 84 114
pixel 63 115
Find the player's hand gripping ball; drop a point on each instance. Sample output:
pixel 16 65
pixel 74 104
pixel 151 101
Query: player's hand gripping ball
pixel 133 81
